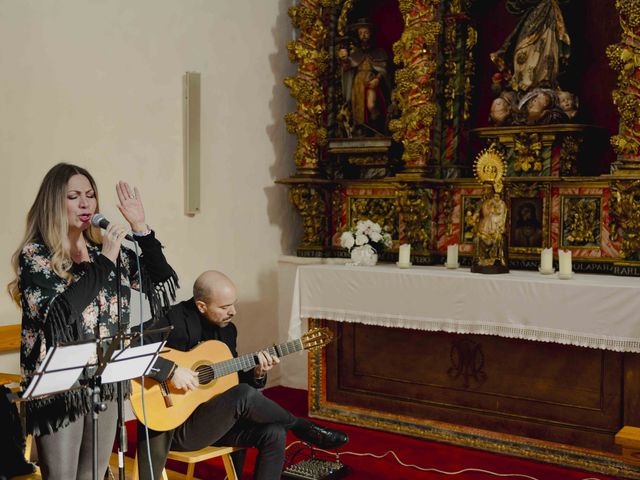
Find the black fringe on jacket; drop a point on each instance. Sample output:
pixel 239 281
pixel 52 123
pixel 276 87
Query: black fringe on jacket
pixel 49 414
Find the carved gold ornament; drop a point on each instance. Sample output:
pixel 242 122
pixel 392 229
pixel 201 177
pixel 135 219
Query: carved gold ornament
pixel 310 204
pixel 624 57
pixel 490 167
pixel 625 213
pixel 527 149
pixel 414 205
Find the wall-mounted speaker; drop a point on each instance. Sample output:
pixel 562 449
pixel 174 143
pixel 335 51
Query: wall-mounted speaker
pixel 191 141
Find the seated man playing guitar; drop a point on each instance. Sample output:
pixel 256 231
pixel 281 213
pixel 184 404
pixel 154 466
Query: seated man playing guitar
pixel 240 416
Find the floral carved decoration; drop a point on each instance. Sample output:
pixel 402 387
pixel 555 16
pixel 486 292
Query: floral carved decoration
pixel 625 213
pixel 527 149
pixel 311 205
pixel 624 57
pixel 414 206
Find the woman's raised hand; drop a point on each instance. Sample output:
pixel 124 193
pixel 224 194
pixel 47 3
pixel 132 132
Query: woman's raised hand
pixel 130 205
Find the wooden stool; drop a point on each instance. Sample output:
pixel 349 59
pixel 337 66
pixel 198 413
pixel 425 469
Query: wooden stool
pixel 191 458
pixel 7 378
pixel 629 439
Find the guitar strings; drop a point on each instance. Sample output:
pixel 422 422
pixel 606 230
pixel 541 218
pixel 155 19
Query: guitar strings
pixel 207 373
pixel 312 339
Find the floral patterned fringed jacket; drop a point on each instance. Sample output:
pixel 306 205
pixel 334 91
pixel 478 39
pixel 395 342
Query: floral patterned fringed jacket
pixel 56 311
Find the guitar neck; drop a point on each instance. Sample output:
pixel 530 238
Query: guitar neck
pixel 250 360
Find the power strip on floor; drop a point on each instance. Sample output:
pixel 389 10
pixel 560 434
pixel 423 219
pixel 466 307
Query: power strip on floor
pixel 315 469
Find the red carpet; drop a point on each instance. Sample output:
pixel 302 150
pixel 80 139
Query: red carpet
pixel 454 462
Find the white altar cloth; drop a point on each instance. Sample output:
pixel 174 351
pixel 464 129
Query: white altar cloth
pixel 597 311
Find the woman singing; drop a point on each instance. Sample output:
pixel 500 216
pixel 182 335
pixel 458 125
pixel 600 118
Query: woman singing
pixel 67 287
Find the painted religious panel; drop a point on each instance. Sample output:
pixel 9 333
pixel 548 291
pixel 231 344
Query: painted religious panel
pixel 527 226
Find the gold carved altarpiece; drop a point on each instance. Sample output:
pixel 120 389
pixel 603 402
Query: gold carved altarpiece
pixel 416 178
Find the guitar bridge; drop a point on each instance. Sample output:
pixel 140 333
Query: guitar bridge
pixel 166 394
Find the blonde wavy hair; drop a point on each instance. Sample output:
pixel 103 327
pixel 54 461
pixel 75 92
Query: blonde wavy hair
pixel 47 223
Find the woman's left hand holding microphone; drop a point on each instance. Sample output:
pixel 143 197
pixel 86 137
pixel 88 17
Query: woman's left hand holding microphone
pixel 112 239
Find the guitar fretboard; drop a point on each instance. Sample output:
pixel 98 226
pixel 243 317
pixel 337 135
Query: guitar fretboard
pixel 245 362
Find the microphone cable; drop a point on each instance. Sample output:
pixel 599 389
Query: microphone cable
pixel 144 407
pixel 393 454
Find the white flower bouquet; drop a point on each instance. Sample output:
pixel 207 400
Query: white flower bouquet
pixel 366 232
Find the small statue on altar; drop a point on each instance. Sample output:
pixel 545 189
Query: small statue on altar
pixel 489 223
pixel 490 218
pixel 365 83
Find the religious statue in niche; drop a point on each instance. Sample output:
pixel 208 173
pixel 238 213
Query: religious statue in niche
pixel 364 81
pixel 490 218
pixel 529 63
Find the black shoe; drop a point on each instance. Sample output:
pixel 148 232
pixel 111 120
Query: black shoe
pixel 22 468
pixel 322 437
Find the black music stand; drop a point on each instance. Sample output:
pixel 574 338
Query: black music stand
pixel 63 365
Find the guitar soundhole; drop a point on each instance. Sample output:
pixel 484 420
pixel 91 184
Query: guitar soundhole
pixel 205 374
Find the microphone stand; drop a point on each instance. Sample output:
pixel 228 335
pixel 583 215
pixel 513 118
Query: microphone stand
pixel 122 430
pixel 95 383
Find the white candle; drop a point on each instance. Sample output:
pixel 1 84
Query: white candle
pixel 404 254
pixel 546 259
pixel 452 255
pixel 564 259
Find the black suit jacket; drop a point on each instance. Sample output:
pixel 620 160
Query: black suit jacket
pixel 189 328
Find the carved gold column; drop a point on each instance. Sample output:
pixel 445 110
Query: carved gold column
pixel 416 82
pixel 310 52
pixel 458 69
pixel 624 57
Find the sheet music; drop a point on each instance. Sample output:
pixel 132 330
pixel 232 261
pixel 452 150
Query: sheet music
pixel 132 362
pixel 60 369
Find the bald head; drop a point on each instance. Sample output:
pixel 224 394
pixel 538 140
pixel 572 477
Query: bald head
pixel 215 296
pixel 210 283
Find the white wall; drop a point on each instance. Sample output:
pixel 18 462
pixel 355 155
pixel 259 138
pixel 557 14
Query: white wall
pixel 99 83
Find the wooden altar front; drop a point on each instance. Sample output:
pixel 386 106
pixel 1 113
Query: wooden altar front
pixel 522 364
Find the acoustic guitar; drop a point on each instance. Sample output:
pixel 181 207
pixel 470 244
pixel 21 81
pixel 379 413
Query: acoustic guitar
pixel 168 407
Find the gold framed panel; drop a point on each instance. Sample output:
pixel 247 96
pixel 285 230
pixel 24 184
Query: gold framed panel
pixel 381 209
pixel 526 230
pixel 581 222
pixel 529 226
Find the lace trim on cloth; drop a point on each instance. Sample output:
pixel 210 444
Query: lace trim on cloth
pixel 616 344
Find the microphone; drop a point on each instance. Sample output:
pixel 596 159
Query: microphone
pixel 100 221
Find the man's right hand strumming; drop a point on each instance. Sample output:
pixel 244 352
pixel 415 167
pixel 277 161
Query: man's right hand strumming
pixel 184 379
